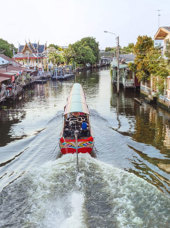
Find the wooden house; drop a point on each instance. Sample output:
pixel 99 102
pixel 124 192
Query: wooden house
pixel 127 77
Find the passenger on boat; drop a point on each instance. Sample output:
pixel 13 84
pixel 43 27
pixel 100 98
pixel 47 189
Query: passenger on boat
pixel 84 125
pixel 84 129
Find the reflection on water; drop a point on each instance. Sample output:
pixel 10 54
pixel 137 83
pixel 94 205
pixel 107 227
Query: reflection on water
pixel 127 135
pixel 151 126
pixel 147 124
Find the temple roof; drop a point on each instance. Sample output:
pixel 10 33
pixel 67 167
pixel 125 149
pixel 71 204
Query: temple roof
pixel 20 48
pixel 34 47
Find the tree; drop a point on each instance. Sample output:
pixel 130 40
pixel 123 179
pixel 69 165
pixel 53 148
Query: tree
pixel 167 52
pixel 7 48
pixel 53 46
pixel 143 45
pixel 157 65
pixel 91 42
pixel 148 60
pixel 128 49
pixel 56 58
pixel 83 51
pixel 69 54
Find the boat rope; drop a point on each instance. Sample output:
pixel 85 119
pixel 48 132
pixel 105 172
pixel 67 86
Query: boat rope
pixel 77 158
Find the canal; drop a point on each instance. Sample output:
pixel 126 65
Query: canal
pixel 126 185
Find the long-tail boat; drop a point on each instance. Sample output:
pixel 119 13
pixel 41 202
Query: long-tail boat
pixel 76 135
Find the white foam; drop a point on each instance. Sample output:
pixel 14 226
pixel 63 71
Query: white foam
pixel 75 220
pixel 60 197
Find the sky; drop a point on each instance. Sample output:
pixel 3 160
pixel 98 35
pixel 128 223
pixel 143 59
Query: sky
pixel 66 21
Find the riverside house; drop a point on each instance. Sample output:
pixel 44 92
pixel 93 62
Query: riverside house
pixel 151 88
pixel 127 78
pixel 13 78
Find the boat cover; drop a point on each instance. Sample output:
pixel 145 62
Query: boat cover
pixel 76 100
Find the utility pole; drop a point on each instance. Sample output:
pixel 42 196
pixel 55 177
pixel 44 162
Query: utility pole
pixel 118 72
pixel 159 15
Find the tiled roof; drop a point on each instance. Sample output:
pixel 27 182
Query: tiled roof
pixel 41 48
pixel 20 48
pixel 30 46
pixel 33 47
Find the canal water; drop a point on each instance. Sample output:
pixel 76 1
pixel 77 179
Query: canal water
pixel 126 185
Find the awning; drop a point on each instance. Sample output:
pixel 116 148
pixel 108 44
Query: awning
pixel 2 79
pixel 76 100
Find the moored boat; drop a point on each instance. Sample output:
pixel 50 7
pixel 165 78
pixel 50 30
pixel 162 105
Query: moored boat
pixel 76 136
pixel 62 73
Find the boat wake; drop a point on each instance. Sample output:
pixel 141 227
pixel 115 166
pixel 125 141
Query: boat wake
pixel 55 195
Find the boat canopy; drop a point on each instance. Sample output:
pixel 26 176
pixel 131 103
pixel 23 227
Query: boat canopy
pixel 76 101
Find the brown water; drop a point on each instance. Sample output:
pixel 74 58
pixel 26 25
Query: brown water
pixel 128 136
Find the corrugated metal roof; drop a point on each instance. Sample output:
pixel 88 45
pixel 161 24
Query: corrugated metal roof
pixel 76 100
pixel 127 57
pixel 3 61
pixel 121 66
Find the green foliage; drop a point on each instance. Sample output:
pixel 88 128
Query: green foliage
pixel 132 67
pixel 56 58
pixel 128 49
pixel 124 50
pixel 53 46
pixel 6 48
pixel 167 53
pixel 69 54
pixel 110 49
pixel 93 45
pixel 148 60
pixel 160 86
pixel 156 64
pixel 81 52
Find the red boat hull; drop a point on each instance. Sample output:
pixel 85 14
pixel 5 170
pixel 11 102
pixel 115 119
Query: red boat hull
pixel 69 145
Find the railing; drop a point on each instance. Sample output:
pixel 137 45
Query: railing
pixel 164 98
pixel 145 89
pixel 129 83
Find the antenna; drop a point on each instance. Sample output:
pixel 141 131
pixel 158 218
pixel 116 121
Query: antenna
pixel 159 15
